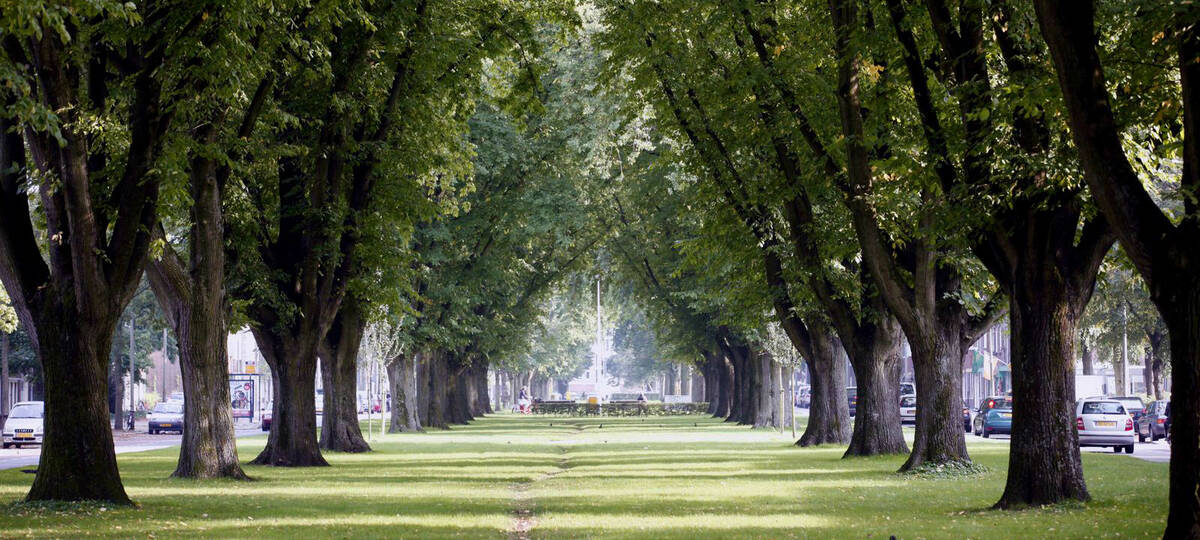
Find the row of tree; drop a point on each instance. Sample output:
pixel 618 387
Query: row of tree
pixel 301 168
pixel 912 170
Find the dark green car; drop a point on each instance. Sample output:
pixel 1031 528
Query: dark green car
pixel 995 416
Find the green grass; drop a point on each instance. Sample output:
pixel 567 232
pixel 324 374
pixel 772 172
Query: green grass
pixel 681 477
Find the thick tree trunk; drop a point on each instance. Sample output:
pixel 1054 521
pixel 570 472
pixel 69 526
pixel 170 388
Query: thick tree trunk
pixel 459 390
pixel 340 430
pixel 1180 309
pixel 193 296
pixel 1044 465
pixel 78 461
pixel 483 399
pixel 876 362
pixel 209 445
pixel 938 369
pixel 725 386
pixel 293 438
pixel 828 410
pixel 436 380
pixel 1089 359
pixel 402 376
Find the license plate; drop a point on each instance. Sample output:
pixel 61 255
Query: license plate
pixel 1106 423
pixel 164 425
pixel 1005 415
pixel 24 431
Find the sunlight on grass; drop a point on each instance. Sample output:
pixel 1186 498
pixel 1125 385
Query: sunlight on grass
pixel 681 477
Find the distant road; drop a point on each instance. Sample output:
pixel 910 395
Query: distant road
pixel 124 441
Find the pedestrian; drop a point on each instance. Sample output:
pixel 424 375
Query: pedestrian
pixel 523 400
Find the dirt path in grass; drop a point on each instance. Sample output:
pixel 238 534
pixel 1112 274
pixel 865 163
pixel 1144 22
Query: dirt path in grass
pixel 523 519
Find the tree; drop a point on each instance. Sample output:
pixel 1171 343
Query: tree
pixel 70 66
pixel 1161 245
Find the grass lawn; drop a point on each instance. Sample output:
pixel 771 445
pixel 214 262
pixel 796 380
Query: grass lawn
pixel 683 477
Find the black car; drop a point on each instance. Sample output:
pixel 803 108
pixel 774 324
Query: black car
pixel 966 417
pixel 1133 405
pixel 1152 424
pixel 852 398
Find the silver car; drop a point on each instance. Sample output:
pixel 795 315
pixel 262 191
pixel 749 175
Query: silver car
pixel 908 409
pixel 24 424
pixel 1104 422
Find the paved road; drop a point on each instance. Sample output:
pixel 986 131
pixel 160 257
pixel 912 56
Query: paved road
pixel 137 441
pixel 1157 452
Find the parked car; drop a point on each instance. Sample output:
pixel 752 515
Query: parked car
pixel 804 396
pixel 24 424
pixel 1152 424
pixel 908 409
pixel 994 416
pixel 966 417
pixel 166 416
pixel 1133 405
pixel 852 398
pixel 1104 422
pixel 907 388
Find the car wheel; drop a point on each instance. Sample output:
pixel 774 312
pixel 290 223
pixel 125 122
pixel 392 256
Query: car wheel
pixel 1117 449
pixel 1141 438
pixel 1129 449
pixel 986 433
pixel 6 445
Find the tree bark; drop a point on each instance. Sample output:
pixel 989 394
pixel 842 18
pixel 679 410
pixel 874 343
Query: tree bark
pixel 402 376
pixel 1044 465
pixel 116 381
pixel 828 410
pixel 938 369
pixel 1089 358
pixel 435 380
pixel 78 461
pixel 725 386
pixel 483 400
pixel 875 357
pixel 1181 311
pixel 340 430
pixel 765 407
pixel 293 438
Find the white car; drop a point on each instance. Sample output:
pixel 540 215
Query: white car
pixel 908 409
pixel 24 424
pixel 166 416
pixel 1104 422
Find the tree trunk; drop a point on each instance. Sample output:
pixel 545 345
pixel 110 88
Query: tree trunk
pixel 193 297
pixel 1120 379
pixel 340 430
pixel 293 438
pixel 828 410
pixel 724 386
pixel 1180 309
pixel 402 376
pixel 938 370
pixel 434 385
pixel 3 375
pixel 875 357
pixel 1043 465
pixel 78 461
pixel 1089 358
pixel 764 395
pixel 116 381
pixel 483 398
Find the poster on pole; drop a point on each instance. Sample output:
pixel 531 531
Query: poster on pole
pixel 241 392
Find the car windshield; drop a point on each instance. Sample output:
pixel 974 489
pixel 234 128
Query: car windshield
pixel 1132 404
pixel 908 401
pixel 29 410
pixel 170 408
pixel 1103 407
